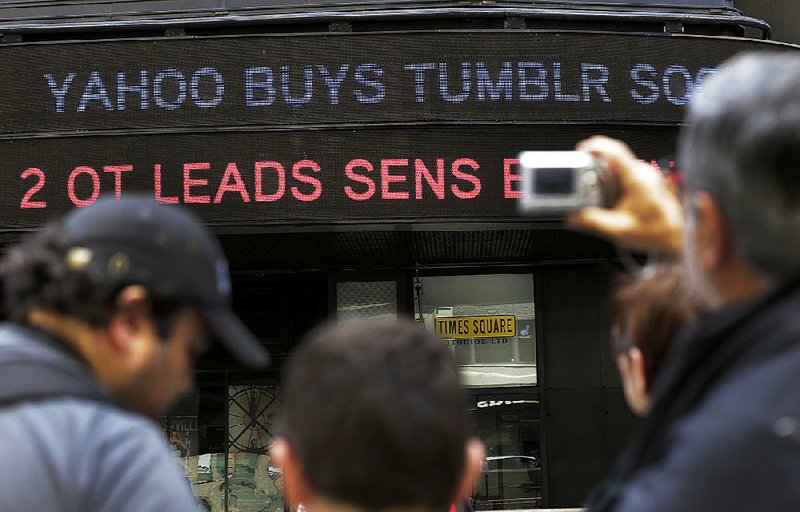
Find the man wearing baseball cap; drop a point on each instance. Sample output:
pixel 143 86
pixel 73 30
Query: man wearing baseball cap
pixel 108 309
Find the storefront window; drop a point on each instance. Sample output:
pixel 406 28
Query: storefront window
pixel 222 433
pixel 489 322
pixel 195 430
pixel 254 484
pixel 221 437
pixel 182 430
pixel 366 299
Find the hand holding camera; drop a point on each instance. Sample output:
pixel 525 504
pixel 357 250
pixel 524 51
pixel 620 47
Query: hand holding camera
pixel 606 190
pixel 556 182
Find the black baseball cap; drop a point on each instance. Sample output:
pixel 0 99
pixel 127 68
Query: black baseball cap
pixel 134 239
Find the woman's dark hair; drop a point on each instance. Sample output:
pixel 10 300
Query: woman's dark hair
pixel 648 311
pixel 37 274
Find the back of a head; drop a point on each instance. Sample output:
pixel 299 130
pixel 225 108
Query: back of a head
pixel 742 146
pixel 374 412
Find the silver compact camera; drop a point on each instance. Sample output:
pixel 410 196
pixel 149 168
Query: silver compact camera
pixel 556 182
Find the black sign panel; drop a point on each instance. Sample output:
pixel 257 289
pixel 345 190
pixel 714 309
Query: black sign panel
pixel 354 79
pixel 328 128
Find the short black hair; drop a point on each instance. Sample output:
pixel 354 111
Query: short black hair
pixel 36 274
pixel 375 413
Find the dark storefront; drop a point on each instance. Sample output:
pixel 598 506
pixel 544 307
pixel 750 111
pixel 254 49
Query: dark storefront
pixel 361 162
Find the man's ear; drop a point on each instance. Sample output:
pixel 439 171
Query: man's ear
pixel 711 235
pixel 130 316
pixel 295 485
pixel 474 454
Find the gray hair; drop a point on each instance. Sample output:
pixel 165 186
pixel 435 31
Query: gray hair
pixel 742 146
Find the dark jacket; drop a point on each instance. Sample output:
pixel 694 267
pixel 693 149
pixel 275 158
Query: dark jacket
pixel 724 432
pixel 66 446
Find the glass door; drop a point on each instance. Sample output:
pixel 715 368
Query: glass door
pixel 509 426
pixel 488 320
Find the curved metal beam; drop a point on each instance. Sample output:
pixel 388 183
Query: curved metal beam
pixel 365 13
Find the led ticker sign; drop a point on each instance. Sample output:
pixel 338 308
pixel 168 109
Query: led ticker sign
pixel 436 173
pixel 332 127
pixel 355 78
pixel 439 173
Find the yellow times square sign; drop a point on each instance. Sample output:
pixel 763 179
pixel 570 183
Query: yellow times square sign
pixel 465 327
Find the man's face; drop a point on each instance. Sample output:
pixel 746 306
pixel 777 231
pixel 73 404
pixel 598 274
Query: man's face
pixel 164 369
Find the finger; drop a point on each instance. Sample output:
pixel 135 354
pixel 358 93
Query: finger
pixel 610 223
pixel 617 155
pixel 624 228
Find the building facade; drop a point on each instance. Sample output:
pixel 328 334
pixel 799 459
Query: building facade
pixel 361 161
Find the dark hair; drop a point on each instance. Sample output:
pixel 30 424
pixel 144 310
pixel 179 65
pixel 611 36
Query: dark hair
pixel 36 274
pixel 648 311
pixel 375 413
pixel 742 145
